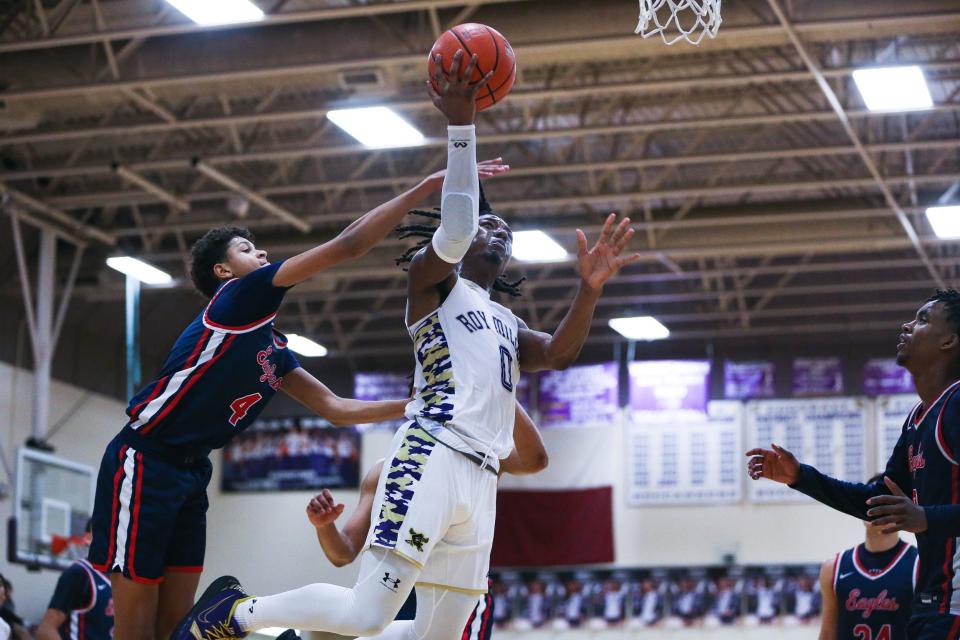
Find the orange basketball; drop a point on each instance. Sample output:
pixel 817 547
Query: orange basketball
pixel 493 53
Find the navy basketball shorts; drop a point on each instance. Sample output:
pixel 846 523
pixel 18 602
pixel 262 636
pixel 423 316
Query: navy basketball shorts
pixel 149 514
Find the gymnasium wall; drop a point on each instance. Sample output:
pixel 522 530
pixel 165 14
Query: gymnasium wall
pixel 82 422
pixel 266 541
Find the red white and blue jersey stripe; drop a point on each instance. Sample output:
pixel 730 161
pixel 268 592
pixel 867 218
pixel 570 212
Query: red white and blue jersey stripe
pixel 84 595
pixel 222 370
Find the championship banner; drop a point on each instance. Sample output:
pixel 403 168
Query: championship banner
pixel 748 380
pixel 683 461
pixel 829 434
pixel 579 396
pixel 883 376
pixel 292 454
pixel 662 389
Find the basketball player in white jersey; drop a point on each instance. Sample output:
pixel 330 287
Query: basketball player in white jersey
pixel 434 508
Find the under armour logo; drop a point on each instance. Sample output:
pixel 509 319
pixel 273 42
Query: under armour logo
pixel 460 145
pixel 390 583
pixel 417 540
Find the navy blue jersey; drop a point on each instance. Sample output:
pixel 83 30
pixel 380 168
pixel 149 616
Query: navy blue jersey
pixel 84 595
pixel 222 370
pixel 924 464
pixel 874 601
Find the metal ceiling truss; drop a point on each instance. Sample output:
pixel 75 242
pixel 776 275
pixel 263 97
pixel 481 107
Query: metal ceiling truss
pixel 761 188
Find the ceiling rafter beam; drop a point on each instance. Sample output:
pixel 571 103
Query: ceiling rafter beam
pixel 752 189
pixel 271 19
pixel 71 223
pixel 264 203
pixel 868 160
pixel 138 180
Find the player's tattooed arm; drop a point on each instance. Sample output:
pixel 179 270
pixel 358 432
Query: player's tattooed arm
pixel 529 454
pixel 343 546
pixel 828 617
pixel 316 396
pixel 539 351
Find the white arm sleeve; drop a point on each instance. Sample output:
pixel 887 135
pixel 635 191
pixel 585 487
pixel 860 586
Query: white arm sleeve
pixel 460 202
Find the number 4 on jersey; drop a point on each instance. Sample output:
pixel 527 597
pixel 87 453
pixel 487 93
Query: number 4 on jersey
pixel 241 406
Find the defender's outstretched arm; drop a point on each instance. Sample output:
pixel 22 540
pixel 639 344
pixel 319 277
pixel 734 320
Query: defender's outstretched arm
pixel 316 396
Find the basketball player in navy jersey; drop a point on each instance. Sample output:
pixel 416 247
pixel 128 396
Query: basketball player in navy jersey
pixel 868 590
pixel 920 492
pixel 81 607
pixel 435 502
pixel 342 546
pixel 149 520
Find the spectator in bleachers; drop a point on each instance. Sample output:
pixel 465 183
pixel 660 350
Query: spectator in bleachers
pixel 12 626
pixel 804 599
pixel 648 603
pixel 574 606
pixel 502 606
pixel 614 602
pixel 726 601
pixel 688 603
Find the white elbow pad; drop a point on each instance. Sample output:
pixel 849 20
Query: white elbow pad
pixel 460 203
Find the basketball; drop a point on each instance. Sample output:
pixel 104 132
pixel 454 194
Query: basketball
pixel 493 51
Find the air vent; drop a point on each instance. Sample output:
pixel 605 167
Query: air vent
pixel 361 79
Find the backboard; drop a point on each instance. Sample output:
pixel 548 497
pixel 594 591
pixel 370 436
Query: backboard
pixel 53 500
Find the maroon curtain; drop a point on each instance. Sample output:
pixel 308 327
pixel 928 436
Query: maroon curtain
pixel 547 528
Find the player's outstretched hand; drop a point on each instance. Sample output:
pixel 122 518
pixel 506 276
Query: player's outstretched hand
pixel 485 169
pixel 603 260
pixel 455 95
pixel 323 509
pixel 775 464
pixel 896 512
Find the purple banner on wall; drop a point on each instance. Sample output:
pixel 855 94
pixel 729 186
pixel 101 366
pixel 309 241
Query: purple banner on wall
pixel 817 376
pixel 883 376
pixel 580 395
pixel 381 386
pixel 747 380
pixel 669 385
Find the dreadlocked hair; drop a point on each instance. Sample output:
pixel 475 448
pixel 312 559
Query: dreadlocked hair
pixel 951 305
pixel 425 233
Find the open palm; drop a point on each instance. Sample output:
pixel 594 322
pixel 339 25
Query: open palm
pixel 775 464
pixel 603 260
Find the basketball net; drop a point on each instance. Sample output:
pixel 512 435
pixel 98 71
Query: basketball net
pixel 677 20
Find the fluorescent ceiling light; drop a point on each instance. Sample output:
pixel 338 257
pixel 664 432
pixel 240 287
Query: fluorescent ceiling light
pixel 211 12
pixel 139 269
pixel 945 221
pixel 376 127
pixel 536 246
pixel 893 88
pixel 639 328
pixel 305 346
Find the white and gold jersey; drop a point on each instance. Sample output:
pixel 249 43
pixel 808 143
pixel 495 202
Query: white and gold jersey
pixel 467 371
